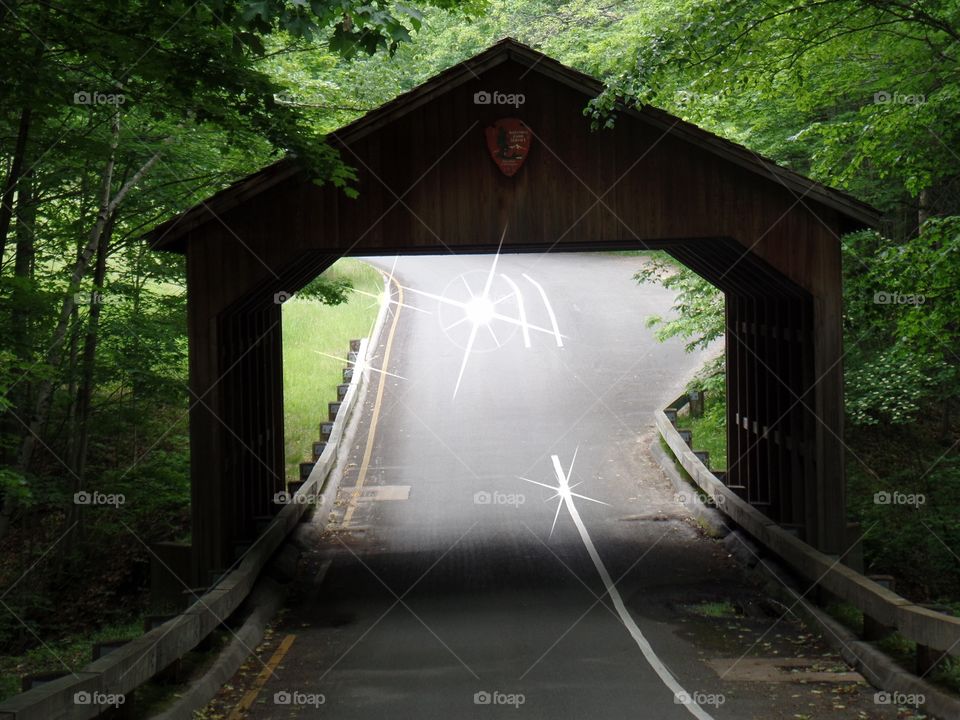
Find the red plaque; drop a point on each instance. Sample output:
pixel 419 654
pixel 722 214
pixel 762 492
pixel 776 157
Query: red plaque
pixel 509 142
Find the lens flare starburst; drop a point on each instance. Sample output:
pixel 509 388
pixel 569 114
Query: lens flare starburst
pixel 563 490
pixel 481 309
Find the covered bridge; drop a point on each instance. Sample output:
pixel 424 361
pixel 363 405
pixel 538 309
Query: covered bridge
pixel 444 168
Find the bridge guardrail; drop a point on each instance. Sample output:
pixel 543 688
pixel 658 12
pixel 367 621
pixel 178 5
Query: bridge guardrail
pixel 87 693
pixel 935 634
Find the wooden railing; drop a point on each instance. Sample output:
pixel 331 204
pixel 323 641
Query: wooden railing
pixel 936 634
pixel 101 684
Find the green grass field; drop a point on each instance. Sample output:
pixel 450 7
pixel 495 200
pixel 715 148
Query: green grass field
pixel 710 431
pixel 310 379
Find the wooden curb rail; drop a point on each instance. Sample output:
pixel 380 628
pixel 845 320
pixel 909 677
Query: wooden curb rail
pixel 936 634
pixel 77 696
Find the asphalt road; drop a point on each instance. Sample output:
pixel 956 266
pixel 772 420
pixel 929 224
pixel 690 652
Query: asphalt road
pixel 461 586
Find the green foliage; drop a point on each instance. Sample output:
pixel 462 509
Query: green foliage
pixel 590 37
pixel 135 109
pixel 902 333
pixel 327 290
pixel 711 378
pixel 315 338
pixel 910 542
pixel 889 388
pixel 710 430
pixel 862 95
pixel 13 484
pixel 716 609
pixel 698 314
pixel 72 650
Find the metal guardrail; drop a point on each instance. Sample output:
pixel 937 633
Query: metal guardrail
pixel 935 634
pixel 96 689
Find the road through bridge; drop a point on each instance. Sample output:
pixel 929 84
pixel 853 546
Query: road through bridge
pixel 457 579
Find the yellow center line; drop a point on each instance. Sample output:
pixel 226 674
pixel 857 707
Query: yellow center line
pixel 247 702
pixel 368 450
pixel 251 696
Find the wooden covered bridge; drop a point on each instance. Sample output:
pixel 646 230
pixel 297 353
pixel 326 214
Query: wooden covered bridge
pixel 444 168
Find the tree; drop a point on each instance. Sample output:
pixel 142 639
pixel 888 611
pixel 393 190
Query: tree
pixel 114 116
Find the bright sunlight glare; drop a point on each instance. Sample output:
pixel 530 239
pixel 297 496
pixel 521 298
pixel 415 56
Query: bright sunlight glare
pixel 480 310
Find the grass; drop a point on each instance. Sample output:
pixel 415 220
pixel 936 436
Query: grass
pixel 710 431
pixel 310 382
pixel 719 609
pixel 902 545
pixel 75 651
pixel 847 614
pixel 946 674
pixel 634 253
pixel 310 379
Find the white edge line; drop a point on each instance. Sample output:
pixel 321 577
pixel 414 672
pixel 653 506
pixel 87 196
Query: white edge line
pixel 658 667
pixel 546 302
pixel 520 309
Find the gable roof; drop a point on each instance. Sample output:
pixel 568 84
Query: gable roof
pixel 166 235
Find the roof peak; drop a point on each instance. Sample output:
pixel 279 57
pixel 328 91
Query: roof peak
pixel 506 49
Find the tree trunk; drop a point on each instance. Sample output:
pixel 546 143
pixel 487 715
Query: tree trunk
pixel 68 427
pixel 946 421
pixel 923 209
pixel 21 301
pixel 108 206
pixel 42 403
pixel 88 362
pixel 20 326
pixel 23 266
pixel 13 179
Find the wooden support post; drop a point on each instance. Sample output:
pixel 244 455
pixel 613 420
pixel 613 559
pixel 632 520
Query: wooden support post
pixel 873 630
pixel 696 403
pixel 170 573
pixel 927 659
pixel 826 340
pixel 318 448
